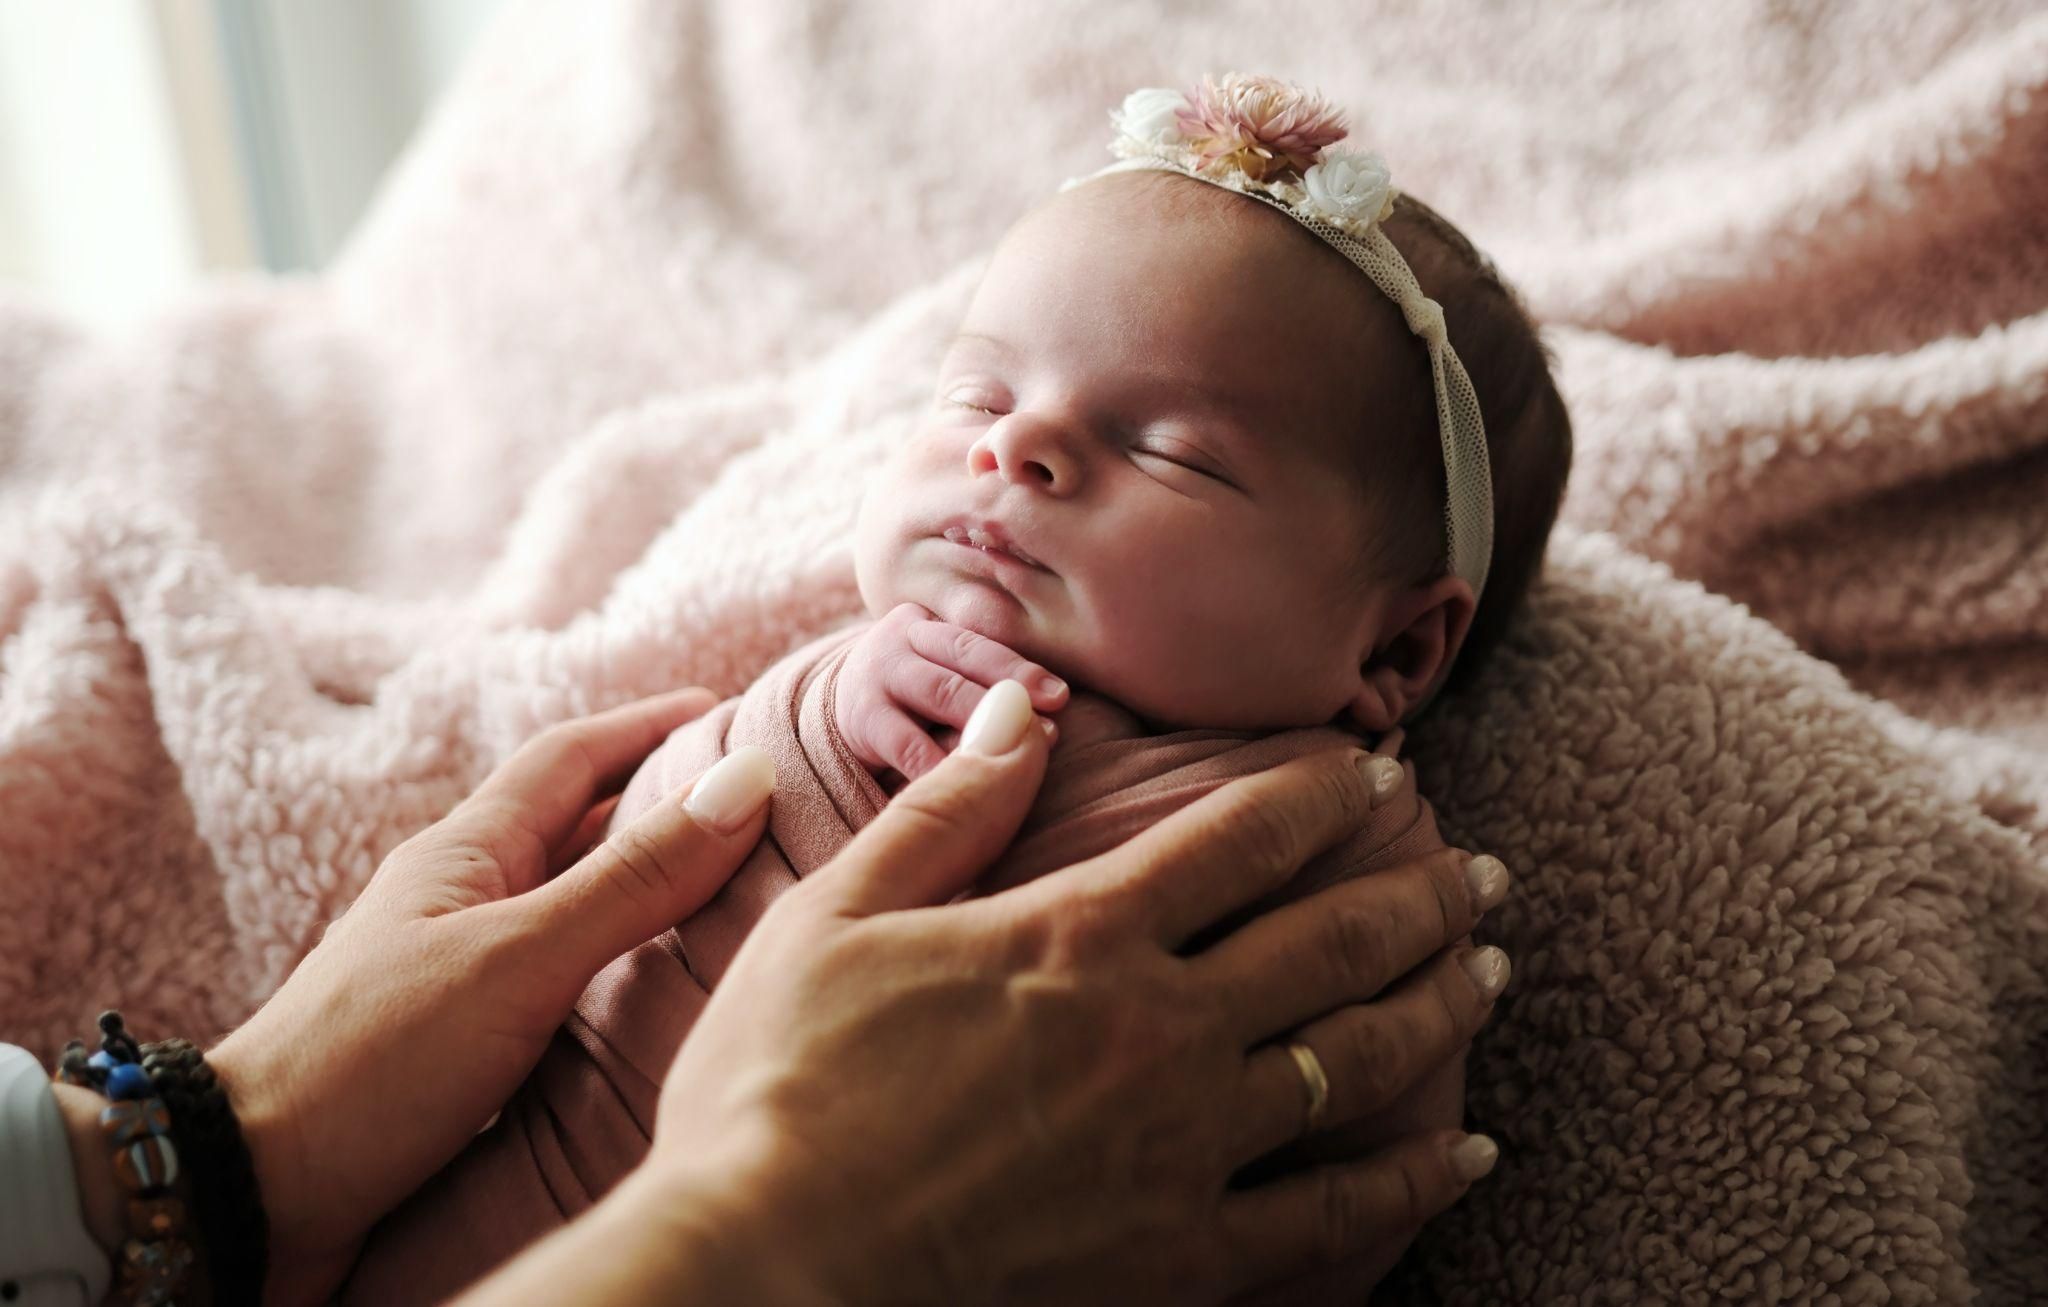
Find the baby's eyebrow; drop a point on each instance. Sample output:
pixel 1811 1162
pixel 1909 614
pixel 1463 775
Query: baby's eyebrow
pixel 1242 408
pixel 1239 409
pixel 980 338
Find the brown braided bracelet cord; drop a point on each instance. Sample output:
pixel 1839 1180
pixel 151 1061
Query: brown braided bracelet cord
pixel 225 1200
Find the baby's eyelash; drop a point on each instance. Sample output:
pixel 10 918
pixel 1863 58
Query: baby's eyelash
pixel 1184 465
pixel 1185 457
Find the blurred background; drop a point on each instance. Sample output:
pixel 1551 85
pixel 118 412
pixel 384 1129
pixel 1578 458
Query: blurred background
pixel 147 143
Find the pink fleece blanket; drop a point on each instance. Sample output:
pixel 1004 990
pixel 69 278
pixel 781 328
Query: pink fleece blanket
pixel 583 411
pixel 584 1117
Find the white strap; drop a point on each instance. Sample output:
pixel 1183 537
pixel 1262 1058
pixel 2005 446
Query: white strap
pixel 45 1250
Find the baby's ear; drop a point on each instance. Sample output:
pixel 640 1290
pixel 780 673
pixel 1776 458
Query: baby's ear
pixel 1421 633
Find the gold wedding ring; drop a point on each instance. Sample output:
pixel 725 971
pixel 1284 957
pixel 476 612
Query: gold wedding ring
pixel 1312 1079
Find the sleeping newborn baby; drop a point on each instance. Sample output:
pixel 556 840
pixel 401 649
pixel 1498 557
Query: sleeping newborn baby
pixel 1218 472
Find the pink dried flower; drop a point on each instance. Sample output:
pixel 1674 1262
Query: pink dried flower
pixel 1260 124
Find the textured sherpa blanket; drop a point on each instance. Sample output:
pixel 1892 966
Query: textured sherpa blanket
pixel 583 411
pixel 584 1117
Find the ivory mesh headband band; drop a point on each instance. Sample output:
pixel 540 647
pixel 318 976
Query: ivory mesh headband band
pixel 1266 139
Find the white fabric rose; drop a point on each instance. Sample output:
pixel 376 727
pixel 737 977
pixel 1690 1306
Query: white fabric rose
pixel 1287 192
pixel 1348 189
pixel 1150 114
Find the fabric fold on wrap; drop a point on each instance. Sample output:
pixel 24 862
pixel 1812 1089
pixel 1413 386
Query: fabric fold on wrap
pixel 585 1116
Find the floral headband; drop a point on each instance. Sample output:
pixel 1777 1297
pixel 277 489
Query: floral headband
pixel 1266 139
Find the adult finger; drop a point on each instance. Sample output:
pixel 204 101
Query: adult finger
pixel 585 837
pixel 1370 1053
pixel 1348 942
pixel 654 872
pixel 948 825
pixel 1292 1225
pixel 985 662
pixel 948 737
pixel 536 798
pixel 1226 849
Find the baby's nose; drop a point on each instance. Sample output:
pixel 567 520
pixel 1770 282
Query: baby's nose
pixel 1027 451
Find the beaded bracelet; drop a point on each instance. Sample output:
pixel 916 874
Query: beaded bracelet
pixel 156 1259
pixel 221 1174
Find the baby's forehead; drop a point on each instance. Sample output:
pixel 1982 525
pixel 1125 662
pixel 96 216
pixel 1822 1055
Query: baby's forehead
pixel 1230 246
pixel 1256 295
pixel 1149 199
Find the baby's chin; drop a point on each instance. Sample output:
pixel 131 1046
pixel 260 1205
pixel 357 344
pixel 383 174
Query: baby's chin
pixel 982 605
pixel 985 608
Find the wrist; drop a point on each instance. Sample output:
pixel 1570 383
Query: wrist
pixel 305 1259
pixel 771 1224
pixel 661 1236
pixel 99 1196
pixel 134 1183
pixel 739 1250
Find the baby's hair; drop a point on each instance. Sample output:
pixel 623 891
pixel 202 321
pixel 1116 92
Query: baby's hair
pixel 1528 430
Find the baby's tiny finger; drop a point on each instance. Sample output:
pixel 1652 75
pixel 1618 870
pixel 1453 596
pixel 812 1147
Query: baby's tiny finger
pixel 904 745
pixel 904 614
pixel 937 694
pixel 986 662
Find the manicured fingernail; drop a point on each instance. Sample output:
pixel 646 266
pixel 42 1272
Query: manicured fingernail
pixel 1472 1157
pixel 1489 970
pixel 1384 775
pixel 998 721
pixel 727 797
pixel 1488 877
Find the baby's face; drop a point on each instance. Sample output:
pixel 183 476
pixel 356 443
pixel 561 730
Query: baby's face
pixel 1140 466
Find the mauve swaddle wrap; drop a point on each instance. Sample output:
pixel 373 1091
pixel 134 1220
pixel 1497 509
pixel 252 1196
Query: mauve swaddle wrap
pixel 584 1116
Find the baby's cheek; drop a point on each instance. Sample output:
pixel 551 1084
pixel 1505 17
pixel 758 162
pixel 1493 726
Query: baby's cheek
pixel 874 550
pixel 906 480
pixel 1167 653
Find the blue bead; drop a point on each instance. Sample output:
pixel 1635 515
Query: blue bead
pixel 129 1119
pixel 127 1081
pixel 102 1059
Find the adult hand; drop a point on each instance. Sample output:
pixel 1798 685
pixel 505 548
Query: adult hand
pixel 1039 1095
pixel 430 999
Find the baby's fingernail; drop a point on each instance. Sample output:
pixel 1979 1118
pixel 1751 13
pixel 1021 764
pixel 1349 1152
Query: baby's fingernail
pixel 1472 1157
pixel 998 721
pixel 1384 776
pixel 727 797
pixel 1488 878
pixel 1489 970
pixel 1052 687
pixel 1052 732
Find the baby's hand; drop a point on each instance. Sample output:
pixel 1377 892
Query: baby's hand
pixel 912 672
